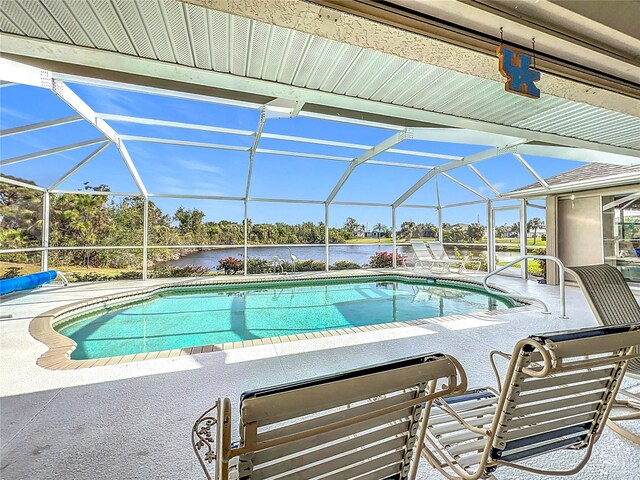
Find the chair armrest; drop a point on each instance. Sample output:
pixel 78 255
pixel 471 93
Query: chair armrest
pixel 211 440
pixel 492 361
pixel 447 408
pixel 203 438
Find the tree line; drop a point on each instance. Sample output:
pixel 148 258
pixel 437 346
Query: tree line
pixel 80 220
pixel 97 219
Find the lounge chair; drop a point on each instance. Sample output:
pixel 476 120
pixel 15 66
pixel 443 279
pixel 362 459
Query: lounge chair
pixel 360 424
pixel 553 398
pixel 421 255
pixel 612 303
pixel 442 259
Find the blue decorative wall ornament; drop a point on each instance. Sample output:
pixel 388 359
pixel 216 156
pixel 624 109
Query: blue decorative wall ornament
pixel 517 68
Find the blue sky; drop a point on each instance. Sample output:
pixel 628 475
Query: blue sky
pixel 192 170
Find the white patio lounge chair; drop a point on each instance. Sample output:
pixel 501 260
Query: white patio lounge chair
pixel 553 398
pixel 442 259
pixel 422 256
pixel 360 424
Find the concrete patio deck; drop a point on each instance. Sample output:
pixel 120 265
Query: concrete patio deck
pixel 133 420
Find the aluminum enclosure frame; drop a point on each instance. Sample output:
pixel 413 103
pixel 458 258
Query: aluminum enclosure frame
pixel 16 73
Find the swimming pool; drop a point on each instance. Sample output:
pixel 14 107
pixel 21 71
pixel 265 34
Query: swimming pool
pixel 213 315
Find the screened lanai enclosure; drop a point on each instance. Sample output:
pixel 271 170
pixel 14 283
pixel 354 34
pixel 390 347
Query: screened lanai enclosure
pixel 207 178
pixel 291 145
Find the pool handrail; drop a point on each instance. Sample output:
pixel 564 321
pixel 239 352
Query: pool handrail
pixel 563 307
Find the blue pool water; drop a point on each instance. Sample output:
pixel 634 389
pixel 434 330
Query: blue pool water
pixel 198 316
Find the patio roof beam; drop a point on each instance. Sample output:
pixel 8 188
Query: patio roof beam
pixel 178 77
pixel 358 146
pixel 317 156
pixel 486 182
pixel 577 154
pixel 424 154
pixel 195 197
pixel 131 87
pixel 531 170
pixel 274 136
pixel 79 165
pixel 18 183
pixel 615 203
pixel 185 143
pixel 51 151
pixel 400 164
pixel 355 121
pixel 533 205
pixel 252 151
pixel 462 135
pixel 166 123
pixel 362 204
pixel 437 192
pixel 368 155
pixel 406 205
pixel 40 125
pixel 74 101
pixel 470 159
pixel 464 204
pixel 106 193
pixel 284 200
pixel 464 185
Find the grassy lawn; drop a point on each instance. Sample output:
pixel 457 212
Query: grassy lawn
pixel 533 267
pixel 516 241
pixel 370 240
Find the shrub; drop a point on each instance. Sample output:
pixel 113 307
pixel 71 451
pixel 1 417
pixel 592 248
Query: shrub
pixel 385 260
pixel 345 265
pixel 259 265
pixel 169 271
pixel 102 277
pixel 482 259
pixel 309 266
pixel 540 262
pixel 230 265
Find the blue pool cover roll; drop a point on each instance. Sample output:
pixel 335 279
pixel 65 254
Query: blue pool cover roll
pixel 26 282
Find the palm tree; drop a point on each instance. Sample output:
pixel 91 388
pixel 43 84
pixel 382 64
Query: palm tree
pixel 534 224
pixel 378 227
pixel 351 225
pixel 515 229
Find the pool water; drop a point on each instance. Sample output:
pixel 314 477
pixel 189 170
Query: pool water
pixel 197 316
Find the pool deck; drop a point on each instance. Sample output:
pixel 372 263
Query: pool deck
pixel 132 420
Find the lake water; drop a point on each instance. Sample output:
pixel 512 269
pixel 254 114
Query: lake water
pixel 359 254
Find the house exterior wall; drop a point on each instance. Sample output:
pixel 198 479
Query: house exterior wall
pixel 580 231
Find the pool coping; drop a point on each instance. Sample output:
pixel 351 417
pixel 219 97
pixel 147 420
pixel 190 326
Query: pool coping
pixel 60 347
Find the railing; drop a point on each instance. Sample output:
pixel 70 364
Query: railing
pixel 563 309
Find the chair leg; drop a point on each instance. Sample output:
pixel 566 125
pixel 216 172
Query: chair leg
pixel 613 421
pixel 623 432
pixel 635 398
